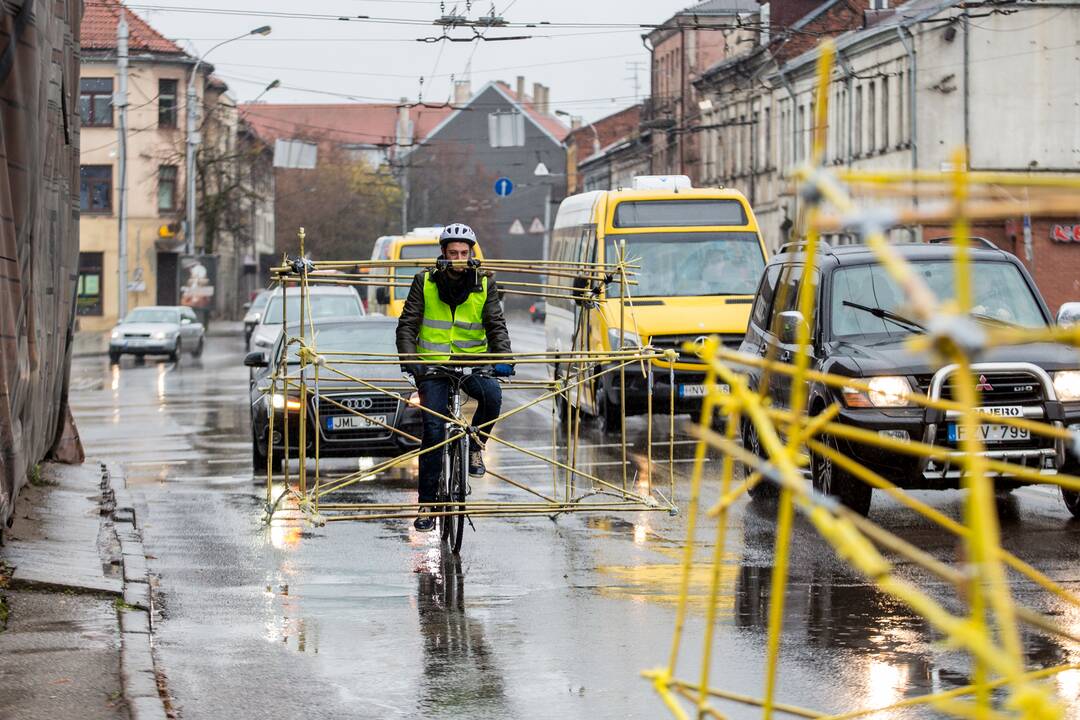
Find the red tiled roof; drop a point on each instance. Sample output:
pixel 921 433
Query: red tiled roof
pixel 549 122
pixel 99 21
pixel 342 123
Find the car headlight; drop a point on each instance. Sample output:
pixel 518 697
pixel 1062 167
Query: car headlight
pixel 162 335
pixel 885 391
pixel 116 334
pixel 279 402
pixel 629 339
pixel 1067 385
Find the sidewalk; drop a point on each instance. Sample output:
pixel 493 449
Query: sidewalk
pixel 75 603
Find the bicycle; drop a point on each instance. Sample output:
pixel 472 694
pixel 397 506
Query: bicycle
pixel 453 480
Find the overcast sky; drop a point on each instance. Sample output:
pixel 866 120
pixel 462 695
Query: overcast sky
pixel 381 60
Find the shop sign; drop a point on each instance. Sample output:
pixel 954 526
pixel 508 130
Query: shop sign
pixel 1065 233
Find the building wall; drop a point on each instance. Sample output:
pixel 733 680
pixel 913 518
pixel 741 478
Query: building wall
pixel 149 147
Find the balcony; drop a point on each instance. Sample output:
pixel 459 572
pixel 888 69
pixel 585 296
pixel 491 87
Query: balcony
pixel 657 114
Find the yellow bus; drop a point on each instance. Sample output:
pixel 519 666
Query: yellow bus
pixel 420 244
pixel 701 257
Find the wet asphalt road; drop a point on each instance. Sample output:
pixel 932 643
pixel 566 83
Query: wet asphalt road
pixel 537 619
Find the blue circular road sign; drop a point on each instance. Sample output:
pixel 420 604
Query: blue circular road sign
pixel 503 187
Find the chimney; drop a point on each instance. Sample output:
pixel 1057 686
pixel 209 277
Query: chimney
pixel 521 87
pixel 547 100
pixel 575 122
pixel 403 130
pixel 538 97
pixel 462 91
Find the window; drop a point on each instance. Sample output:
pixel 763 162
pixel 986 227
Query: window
pixel 885 118
pixel 767 154
pixel 857 150
pixel 88 293
pixel 166 192
pixel 760 312
pixel 800 131
pixel 95 188
pixel 95 101
pixel 871 120
pixel 901 89
pixel 679 213
pixel 506 129
pixel 166 112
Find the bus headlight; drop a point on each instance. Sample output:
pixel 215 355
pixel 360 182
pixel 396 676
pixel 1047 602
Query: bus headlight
pixel 1067 385
pixel 629 339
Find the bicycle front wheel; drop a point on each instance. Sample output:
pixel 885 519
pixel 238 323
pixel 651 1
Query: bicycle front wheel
pixel 459 471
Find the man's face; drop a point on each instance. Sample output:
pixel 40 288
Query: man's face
pixel 456 252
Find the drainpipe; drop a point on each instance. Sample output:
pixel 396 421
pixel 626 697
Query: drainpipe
pixel 967 85
pixel 912 71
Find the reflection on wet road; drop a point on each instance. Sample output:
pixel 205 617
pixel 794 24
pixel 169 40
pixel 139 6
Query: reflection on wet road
pixel 537 619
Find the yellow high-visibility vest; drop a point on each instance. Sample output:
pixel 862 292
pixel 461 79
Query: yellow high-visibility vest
pixel 444 332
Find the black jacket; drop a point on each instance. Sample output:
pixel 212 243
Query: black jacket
pixel 408 329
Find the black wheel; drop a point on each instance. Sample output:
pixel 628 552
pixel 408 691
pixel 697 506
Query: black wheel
pixel 1071 498
pixel 258 456
pixel 830 479
pixel 174 356
pixel 750 441
pixel 197 352
pixel 447 523
pixel 609 412
pixel 458 473
pixel 114 358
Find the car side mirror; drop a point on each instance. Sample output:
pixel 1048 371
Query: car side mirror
pixel 256 359
pixel 382 296
pixel 1068 313
pixel 788 323
pixel 185 321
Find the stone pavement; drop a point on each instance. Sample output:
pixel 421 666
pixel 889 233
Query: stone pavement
pixel 75 616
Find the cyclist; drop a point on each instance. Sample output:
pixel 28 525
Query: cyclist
pixel 452 311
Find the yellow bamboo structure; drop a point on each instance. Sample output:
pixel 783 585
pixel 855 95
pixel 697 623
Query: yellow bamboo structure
pixel 987 629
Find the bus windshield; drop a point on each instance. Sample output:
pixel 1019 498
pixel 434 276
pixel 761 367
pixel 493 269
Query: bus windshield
pixel 403 275
pixel 690 263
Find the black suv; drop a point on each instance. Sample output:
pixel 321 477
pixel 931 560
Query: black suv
pixel 859 331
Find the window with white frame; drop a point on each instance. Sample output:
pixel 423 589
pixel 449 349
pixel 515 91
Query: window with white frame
pixel 886 119
pixel 871 120
pixel 858 129
pixel 506 129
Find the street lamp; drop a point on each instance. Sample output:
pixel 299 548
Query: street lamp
pixel 194 137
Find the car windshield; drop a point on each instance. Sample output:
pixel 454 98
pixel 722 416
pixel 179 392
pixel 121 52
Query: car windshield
pixel 404 275
pixel 690 263
pixel 999 295
pixel 152 315
pixel 322 306
pixel 260 301
pixel 378 338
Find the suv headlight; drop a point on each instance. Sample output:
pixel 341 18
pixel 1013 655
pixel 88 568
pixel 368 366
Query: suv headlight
pixel 885 391
pixel 162 335
pixel 116 334
pixel 629 339
pixel 1067 385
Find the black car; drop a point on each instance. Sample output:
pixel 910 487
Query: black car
pixel 859 330
pixel 342 433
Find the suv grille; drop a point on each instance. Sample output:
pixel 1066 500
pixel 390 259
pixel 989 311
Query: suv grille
pixel 675 342
pixel 380 405
pixel 1010 388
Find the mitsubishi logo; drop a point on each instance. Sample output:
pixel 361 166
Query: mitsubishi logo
pixel 984 384
pixel 357 403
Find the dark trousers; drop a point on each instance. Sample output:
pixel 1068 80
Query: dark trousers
pixel 435 395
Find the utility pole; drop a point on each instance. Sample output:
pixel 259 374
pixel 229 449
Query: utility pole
pixel 122 105
pixel 634 67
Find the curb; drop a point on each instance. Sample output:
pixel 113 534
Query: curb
pixel 138 674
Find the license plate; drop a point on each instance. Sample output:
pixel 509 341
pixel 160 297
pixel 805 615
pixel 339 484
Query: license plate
pixel 991 433
pixel 354 422
pixel 696 391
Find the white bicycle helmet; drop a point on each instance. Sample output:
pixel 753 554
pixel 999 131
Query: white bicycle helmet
pixel 457 232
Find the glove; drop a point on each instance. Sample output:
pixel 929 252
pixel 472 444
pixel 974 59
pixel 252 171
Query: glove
pixel 416 370
pixel 502 369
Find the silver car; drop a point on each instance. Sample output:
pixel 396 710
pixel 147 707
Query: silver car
pixel 254 312
pixel 157 330
pixel 327 301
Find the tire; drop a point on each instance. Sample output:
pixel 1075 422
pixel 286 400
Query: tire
pixel 114 358
pixel 197 352
pixel 458 473
pixel 1071 498
pixel 764 490
pixel 840 484
pixel 609 413
pixel 174 356
pixel 258 456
